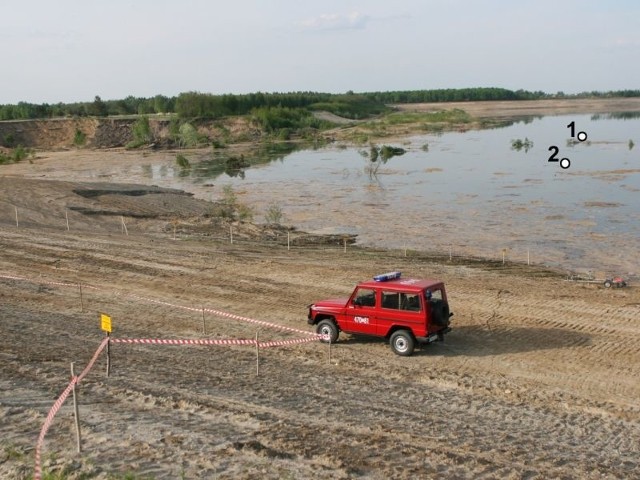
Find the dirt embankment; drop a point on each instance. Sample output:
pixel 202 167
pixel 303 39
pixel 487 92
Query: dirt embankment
pixel 65 133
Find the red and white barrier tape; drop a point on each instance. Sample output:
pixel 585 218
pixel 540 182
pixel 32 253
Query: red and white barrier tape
pixel 280 343
pixel 60 284
pixel 220 313
pixel 93 359
pixel 154 341
pixel 58 404
pixel 204 341
pixel 259 322
pixel 169 341
pixel 47 423
pixel 212 311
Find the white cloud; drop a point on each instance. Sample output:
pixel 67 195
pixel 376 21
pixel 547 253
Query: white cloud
pixel 335 21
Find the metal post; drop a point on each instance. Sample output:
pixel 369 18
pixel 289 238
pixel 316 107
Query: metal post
pixel 329 350
pixel 204 326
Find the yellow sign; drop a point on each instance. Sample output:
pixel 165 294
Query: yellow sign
pixel 105 322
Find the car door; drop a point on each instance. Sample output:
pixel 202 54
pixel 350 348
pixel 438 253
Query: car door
pixel 361 310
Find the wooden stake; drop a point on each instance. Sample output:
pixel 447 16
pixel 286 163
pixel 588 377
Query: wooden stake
pixel 108 354
pixel 17 224
pixel 66 214
pixel 288 241
pixel 81 301
pixel 204 326
pixel 345 245
pixel 257 356
pixel 231 233
pixel 450 253
pixel 528 258
pixel 124 226
pixel 76 412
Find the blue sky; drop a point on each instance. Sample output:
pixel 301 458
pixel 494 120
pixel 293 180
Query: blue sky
pixel 72 50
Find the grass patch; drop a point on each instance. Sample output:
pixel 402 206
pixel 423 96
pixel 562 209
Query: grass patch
pixel 16 155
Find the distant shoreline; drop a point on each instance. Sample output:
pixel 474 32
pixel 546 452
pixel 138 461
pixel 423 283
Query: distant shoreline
pixel 515 108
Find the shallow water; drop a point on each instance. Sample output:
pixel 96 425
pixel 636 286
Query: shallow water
pixel 466 192
pixel 472 193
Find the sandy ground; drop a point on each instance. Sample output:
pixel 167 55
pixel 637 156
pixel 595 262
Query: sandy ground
pixel 538 379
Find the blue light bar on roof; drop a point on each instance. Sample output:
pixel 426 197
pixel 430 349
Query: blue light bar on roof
pixel 385 277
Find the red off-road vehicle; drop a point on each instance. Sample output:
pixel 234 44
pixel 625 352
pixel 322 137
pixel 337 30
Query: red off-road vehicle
pixel 404 311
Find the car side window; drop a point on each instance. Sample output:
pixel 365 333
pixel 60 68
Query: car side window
pixel 411 302
pixel 365 297
pixel 401 301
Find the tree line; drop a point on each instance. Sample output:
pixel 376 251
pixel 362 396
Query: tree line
pixel 191 105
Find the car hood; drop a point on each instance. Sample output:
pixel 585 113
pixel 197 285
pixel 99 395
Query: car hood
pixel 331 303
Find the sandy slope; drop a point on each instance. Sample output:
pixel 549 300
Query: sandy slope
pixel 537 380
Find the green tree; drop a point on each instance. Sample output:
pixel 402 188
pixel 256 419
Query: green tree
pixel 98 107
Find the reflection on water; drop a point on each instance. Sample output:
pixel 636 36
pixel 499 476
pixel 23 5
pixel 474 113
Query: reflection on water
pixel 468 191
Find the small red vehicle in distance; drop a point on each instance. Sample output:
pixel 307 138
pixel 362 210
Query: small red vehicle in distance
pixel 404 311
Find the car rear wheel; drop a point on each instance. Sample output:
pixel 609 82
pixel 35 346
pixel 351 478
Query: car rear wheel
pixel 328 330
pixel 402 343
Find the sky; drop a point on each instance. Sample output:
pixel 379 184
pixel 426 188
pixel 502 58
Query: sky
pixel 72 50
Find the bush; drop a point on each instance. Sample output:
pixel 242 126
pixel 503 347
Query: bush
pixel 187 136
pixel 16 155
pixel 9 140
pixel 284 120
pixel 141 131
pixel 79 138
pixel 274 214
pixel 182 161
pixel 230 209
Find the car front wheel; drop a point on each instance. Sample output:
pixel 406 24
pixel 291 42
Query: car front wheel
pixel 328 330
